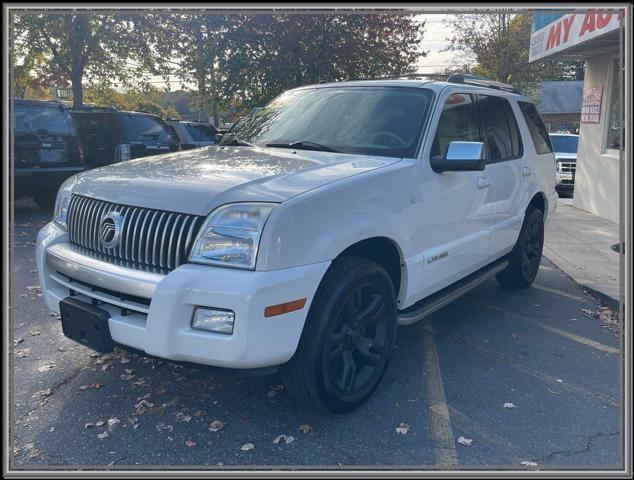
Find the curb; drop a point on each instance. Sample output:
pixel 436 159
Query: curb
pixel 604 298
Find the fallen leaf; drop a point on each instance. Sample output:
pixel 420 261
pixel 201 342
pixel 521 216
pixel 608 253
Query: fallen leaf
pixel 23 352
pixel 89 425
pixel 34 288
pixel 105 367
pixel 102 435
pixel 113 421
pixel 91 386
pixel 199 413
pixel 508 405
pixel 34 332
pixel 247 446
pixel 287 439
pixel 560 380
pixel 190 443
pixel 528 463
pixel 142 406
pixel 403 428
pixel 162 426
pixel 47 392
pixel 45 367
pixel 125 359
pixel 100 423
pixel 216 425
pixel 553 392
pixel 18 340
pixel 587 312
pixel 305 428
pixel 465 441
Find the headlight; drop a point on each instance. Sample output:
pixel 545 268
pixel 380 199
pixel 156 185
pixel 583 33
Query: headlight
pixel 62 201
pixel 231 235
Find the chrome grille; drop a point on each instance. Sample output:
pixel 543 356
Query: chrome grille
pixel 148 237
pixel 568 167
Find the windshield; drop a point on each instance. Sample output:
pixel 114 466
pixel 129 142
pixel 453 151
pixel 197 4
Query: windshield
pixel 385 121
pixel 564 144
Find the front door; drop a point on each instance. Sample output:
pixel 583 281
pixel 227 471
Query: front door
pixel 454 227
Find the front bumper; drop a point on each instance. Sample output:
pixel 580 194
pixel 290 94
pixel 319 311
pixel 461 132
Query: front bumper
pixel 155 311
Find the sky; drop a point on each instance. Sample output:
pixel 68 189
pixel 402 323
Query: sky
pixel 434 41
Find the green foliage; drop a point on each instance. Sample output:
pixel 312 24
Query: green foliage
pixel 273 53
pixel 62 48
pixel 496 46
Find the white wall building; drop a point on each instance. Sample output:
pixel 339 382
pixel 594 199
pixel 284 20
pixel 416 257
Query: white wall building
pixel 597 37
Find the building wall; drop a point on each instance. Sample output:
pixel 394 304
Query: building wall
pixel 569 121
pixel 597 178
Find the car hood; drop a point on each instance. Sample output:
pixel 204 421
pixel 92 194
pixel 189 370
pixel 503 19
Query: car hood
pixel 196 181
pixel 571 157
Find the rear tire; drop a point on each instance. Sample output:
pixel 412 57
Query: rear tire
pixel 347 339
pixel 46 201
pixel 526 256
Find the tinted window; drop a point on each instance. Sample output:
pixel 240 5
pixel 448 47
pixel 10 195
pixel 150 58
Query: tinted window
pixel 500 128
pixel 200 132
pixel 100 127
pixel 21 119
pixel 50 120
pixel 564 144
pixel 536 127
pixel 367 120
pixel 458 123
pixel 143 128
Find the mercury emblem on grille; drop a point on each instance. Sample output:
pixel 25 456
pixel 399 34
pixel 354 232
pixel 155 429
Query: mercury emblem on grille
pixel 110 229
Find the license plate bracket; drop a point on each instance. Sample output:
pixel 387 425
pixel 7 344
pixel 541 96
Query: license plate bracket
pixel 86 324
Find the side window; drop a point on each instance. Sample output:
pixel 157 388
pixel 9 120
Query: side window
pixel 500 128
pixel 536 127
pixel 21 120
pixel 458 122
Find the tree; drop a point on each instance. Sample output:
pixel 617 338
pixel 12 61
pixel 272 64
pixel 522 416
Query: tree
pixel 199 42
pixel 496 46
pixel 79 46
pixel 271 53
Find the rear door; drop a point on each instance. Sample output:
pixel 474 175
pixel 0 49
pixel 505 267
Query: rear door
pixel 505 162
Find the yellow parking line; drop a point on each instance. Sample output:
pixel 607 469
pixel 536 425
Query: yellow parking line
pixel 437 412
pixel 580 339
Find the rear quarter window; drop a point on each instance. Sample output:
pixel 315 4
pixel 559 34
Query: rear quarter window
pixel 50 120
pixel 536 127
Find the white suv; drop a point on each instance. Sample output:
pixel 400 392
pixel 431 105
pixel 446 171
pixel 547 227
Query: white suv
pixel 327 218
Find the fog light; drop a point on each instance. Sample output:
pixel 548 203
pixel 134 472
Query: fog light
pixel 213 320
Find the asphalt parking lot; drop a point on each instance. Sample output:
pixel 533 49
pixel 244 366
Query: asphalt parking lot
pixel 505 379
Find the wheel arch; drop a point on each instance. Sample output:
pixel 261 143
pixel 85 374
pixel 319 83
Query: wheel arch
pixel 384 251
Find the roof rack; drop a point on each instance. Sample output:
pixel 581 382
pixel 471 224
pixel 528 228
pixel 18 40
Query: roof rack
pixel 408 76
pixel 481 82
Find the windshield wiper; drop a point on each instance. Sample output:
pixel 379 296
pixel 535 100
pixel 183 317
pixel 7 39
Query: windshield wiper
pixel 304 145
pixel 237 142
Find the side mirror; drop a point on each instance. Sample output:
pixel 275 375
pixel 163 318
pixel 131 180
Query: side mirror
pixel 218 137
pixel 461 157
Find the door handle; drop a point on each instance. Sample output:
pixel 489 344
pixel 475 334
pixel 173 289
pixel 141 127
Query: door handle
pixel 526 171
pixel 484 182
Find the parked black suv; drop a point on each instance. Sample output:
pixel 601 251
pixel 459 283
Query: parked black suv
pixel 47 149
pixel 110 135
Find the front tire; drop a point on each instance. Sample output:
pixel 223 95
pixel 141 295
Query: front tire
pixel 347 339
pixel 526 256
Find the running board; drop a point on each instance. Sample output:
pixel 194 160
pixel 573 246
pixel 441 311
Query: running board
pixel 429 305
